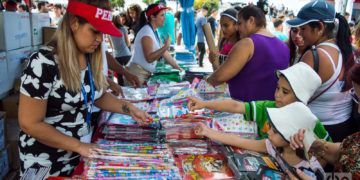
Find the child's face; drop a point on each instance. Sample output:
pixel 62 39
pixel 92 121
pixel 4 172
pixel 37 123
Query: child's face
pixel 228 26
pixel 284 94
pixel 276 139
pixel 122 20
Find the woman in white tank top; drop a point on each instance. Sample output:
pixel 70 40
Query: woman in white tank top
pixel 329 36
pixel 147 43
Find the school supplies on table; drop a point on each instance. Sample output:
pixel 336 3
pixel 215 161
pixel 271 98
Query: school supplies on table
pixel 204 87
pixel 235 124
pixel 171 89
pixel 119 160
pixel 136 94
pixel 182 128
pixel 132 133
pixel 245 164
pixel 188 146
pixel 208 166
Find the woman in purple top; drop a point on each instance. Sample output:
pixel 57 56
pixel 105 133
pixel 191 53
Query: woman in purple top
pixel 251 64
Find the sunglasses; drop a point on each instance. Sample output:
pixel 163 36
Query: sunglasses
pixel 354 96
pixel 295 30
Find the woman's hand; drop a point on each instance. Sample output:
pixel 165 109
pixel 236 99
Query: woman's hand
pixel 116 89
pixel 195 103
pixel 201 129
pixel 301 174
pixel 133 79
pixel 325 150
pixel 213 56
pixel 296 140
pixel 167 41
pixel 140 116
pixel 87 150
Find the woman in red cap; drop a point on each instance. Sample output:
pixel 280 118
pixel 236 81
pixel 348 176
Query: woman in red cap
pixel 148 48
pixel 60 85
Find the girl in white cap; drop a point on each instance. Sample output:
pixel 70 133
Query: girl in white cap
pixel 284 122
pixel 296 83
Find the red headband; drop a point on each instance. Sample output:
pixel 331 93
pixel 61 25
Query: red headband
pixel 99 18
pixel 154 10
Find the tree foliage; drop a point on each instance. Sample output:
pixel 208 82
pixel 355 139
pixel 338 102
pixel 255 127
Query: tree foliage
pixel 148 1
pixel 117 3
pixel 211 4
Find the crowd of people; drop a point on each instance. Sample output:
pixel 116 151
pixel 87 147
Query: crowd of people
pixel 298 78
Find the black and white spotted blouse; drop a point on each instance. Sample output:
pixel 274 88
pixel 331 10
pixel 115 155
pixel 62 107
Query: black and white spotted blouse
pixel 65 111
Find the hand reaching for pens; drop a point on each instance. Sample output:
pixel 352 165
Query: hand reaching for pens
pixel 195 104
pixel 87 150
pixel 142 117
pixel 201 129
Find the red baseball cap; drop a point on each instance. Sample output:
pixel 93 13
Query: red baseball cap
pixel 155 9
pixel 99 18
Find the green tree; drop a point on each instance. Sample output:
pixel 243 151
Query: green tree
pixel 148 1
pixel 211 4
pixel 117 3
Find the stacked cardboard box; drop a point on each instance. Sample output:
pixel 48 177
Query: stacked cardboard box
pixel 14 30
pixel 4 161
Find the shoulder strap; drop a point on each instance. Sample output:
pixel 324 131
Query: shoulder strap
pixel 316 58
pixel 322 92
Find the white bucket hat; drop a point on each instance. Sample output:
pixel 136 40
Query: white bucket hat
pixel 303 80
pixel 289 119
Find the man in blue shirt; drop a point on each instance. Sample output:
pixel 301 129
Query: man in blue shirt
pixel 200 22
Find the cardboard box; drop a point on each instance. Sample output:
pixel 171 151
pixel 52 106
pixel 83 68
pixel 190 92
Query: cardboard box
pixel 4 163
pixel 13 174
pixel 4 82
pixel 12 137
pixel 10 105
pixel 35 48
pixel 13 155
pixel 14 30
pixel 48 33
pixel 16 60
pixel 2 130
pixel 38 21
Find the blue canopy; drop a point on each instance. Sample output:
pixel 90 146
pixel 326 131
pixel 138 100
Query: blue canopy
pixel 188 24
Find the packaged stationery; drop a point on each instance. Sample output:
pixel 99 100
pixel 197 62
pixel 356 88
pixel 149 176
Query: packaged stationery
pixel 234 123
pixel 204 87
pixel 208 166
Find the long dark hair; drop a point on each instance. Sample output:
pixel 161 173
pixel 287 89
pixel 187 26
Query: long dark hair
pixel 299 152
pixel 343 40
pixel 233 12
pixel 354 74
pixel 116 21
pixel 292 48
pixel 145 20
pixel 137 9
pixel 222 41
